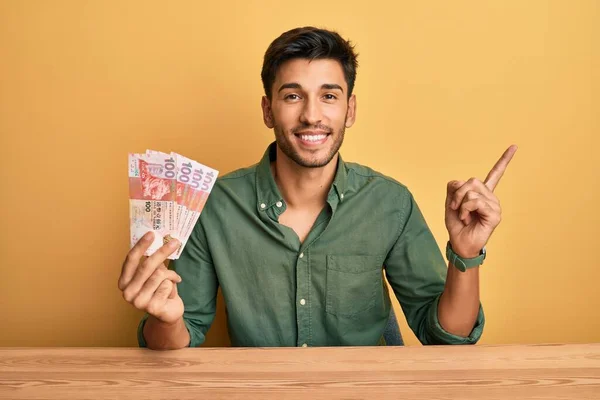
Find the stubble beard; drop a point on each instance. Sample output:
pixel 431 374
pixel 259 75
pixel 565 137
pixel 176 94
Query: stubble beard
pixel 283 140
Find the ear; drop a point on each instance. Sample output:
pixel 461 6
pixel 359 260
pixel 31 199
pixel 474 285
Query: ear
pixel 267 112
pixel 351 113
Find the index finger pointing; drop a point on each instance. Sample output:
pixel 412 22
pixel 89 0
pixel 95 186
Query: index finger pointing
pixel 497 171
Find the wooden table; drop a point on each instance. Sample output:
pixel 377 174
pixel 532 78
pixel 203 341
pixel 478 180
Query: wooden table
pixel 434 372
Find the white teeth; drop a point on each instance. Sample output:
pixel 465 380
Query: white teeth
pixel 313 138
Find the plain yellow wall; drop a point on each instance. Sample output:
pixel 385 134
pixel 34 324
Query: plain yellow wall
pixel 443 88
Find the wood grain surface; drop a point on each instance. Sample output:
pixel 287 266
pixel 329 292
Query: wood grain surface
pixel 550 371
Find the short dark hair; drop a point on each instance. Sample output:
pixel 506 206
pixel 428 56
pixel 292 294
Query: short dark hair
pixel 310 43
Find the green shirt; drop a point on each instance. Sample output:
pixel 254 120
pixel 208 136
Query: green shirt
pixel 328 290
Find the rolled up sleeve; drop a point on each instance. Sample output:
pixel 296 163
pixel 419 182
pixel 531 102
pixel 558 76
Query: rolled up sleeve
pixel 437 335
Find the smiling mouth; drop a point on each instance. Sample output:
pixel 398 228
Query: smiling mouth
pixel 313 138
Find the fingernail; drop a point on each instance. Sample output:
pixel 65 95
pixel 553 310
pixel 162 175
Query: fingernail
pixel 174 243
pixel 148 236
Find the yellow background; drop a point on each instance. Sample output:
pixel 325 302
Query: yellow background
pixel 443 88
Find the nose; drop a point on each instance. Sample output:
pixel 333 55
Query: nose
pixel 311 112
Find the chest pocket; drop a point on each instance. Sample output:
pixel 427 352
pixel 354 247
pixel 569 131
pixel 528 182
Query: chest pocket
pixel 353 284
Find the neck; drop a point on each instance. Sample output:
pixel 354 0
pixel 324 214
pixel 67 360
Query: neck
pixel 303 187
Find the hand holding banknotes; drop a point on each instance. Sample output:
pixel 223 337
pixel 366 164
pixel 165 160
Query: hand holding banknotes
pixel 167 193
pixel 148 285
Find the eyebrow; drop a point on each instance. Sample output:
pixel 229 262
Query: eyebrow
pixel 294 85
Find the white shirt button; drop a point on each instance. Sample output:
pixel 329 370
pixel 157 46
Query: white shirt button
pixel 342 196
pixel 302 302
pixel 304 345
pixel 279 204
pixel 301 255
pixel 263 206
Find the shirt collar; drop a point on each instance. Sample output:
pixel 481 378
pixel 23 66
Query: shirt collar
pixel 267 192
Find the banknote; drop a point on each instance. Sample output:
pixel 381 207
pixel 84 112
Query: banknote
pixel 167 193
pixel 203 179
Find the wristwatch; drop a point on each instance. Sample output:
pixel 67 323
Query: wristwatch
pixel 462 264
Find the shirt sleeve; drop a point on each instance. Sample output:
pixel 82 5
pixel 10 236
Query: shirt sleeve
pixel 417 273
pixel 198 287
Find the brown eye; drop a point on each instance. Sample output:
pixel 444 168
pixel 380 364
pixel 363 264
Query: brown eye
pixel 289 97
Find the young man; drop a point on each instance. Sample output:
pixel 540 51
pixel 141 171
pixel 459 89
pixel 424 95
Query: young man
pixel 299 242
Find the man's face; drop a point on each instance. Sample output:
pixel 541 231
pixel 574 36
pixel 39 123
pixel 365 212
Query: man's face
pixel 309 110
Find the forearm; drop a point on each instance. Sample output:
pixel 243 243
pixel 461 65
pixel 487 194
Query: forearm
pixel 459 304
pixel 161 336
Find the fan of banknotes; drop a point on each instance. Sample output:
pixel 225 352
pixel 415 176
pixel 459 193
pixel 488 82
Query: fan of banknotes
pixel 167 193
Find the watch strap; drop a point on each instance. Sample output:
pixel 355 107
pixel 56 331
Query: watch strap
pixel 462 264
